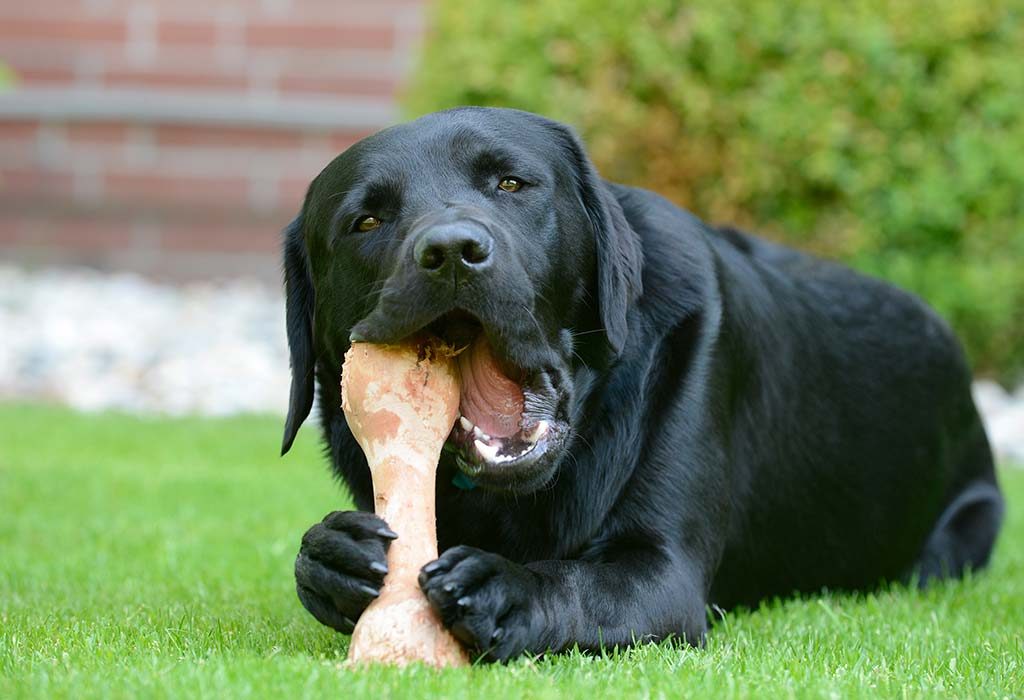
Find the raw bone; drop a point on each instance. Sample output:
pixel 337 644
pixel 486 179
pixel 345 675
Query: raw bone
pixel 400 402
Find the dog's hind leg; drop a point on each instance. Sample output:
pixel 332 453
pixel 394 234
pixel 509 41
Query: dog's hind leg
pixel 964 534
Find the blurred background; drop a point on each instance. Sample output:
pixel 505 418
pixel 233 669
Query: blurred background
pixel 151 151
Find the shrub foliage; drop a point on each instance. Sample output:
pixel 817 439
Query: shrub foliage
pixel 885 134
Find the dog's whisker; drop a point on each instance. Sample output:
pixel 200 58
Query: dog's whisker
pixel 540 330
pixel 577 334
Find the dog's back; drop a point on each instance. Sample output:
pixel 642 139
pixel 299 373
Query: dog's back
pixel 878 411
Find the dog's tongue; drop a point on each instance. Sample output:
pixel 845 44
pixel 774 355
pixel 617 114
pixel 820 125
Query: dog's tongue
pixel 491 400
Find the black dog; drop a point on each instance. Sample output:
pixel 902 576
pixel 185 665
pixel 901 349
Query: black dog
pixel 657 416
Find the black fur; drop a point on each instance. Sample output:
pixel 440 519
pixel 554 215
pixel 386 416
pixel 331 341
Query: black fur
pixel 744 420
pixel 299 301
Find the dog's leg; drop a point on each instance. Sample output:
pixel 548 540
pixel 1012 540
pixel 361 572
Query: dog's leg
pixel 341 567
pixel 500 609
pixel 964 535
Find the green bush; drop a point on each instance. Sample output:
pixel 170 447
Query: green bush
pixel 885 134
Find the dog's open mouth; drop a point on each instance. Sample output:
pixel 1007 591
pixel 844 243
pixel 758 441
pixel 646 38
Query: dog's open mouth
pixel 506 423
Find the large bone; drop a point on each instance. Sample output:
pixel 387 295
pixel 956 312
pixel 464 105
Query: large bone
pixel 401 402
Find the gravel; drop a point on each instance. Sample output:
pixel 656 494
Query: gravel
pixel 116 341
pixel 1003 414
pixel 98 341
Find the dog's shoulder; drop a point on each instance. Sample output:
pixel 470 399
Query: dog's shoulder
pixel 676 246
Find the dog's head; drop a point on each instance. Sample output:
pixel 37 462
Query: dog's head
pixel 491 229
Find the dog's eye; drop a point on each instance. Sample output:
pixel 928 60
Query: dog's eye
pixel 511 184
pixel 367 223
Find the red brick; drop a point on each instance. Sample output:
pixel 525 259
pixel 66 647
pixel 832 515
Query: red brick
pixel 22 28
pixel 291 192
pixel 306 167
pixel 44 75
pixel 80 233
pixel 19 148
pixel 231 137
pixel 51 8
pixel 18 130
pixel 310 11
pixel 35 184
pixel 342 141
pixel 228 236
pixel 369 36
pixel 339 85
pixel 10 229
pixel 25 50
pixel 172 32
pixel 31 65
pixel 59 230
pixel 48 63
pixel 168 190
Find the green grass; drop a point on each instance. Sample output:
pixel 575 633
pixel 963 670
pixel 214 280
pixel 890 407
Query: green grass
pixel 153 558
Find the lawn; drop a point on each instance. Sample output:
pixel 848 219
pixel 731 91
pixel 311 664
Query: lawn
pixel 152 557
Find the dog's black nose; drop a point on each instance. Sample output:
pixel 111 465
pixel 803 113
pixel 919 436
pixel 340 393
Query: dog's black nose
pixel 453 244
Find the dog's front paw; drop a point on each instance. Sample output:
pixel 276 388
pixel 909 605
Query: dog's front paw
pixel 341 567
pixel 485 600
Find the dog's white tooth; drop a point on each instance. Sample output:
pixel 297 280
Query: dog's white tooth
pixel 466 424
pixel 488 452
pixel 481 434
pixel 538 432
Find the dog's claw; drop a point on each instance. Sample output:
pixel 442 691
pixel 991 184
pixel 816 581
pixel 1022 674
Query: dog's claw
pixel 370 591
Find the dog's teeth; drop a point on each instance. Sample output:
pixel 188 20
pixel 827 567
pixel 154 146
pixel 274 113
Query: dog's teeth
pixel 488 452
pixel 538 432
pixel 466 424
pixel 481 434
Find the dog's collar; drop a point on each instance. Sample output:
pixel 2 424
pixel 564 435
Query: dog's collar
pixel 461 481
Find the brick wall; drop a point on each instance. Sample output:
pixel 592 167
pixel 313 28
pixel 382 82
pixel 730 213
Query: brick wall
pixel 176 137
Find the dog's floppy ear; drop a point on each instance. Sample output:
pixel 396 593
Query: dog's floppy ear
pixel 617 246
pixel 298 287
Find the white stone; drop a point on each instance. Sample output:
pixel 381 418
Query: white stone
pixel 990 397
pixel 100 341
pixel 1006 433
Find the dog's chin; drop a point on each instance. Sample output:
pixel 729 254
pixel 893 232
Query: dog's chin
pixel 511 431
pixel 520 463
pixel 520 477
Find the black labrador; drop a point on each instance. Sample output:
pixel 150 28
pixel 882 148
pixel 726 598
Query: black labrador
pixel 658 416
